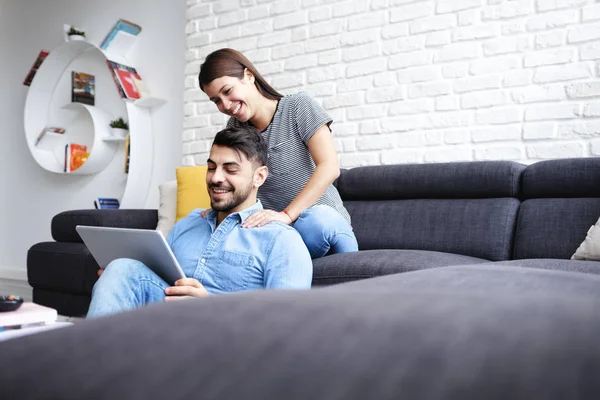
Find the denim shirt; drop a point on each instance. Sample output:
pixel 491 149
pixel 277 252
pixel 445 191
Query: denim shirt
pixel 229 258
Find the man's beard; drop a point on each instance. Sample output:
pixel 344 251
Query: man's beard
pixel 238 197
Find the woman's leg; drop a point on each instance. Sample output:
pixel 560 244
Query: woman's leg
pixel 124 285
pixel 324 230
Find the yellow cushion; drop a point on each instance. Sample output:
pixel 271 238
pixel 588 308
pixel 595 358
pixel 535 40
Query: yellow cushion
pixel 191 190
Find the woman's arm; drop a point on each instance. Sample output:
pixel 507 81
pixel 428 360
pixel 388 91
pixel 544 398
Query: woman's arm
pixel 322 151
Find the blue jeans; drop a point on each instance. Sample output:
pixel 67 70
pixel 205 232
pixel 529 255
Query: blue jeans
pixel 125 284
pixel 324 231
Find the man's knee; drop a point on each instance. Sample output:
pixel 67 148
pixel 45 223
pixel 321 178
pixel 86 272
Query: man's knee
pixel 121 270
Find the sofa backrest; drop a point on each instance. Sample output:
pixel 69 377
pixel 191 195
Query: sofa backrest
pixel 560 201
pixel 465 208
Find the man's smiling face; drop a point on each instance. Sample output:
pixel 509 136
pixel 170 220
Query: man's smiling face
pixel 229 179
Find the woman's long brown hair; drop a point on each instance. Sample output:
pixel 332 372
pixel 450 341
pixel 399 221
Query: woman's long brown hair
pixel 230 62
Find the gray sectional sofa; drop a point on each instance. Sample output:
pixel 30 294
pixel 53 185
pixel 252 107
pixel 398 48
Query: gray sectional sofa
pixel 472 296
pixel 466 332
pixel 411 217
pixel 406 218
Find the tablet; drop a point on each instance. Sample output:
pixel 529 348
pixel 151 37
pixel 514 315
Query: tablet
pixel 145 245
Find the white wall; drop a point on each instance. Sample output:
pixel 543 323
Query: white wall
pixel 411 81
pixel 31 196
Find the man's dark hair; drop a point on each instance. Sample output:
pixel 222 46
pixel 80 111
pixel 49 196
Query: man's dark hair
pixel 245 140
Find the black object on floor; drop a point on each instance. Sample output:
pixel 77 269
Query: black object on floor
pixel 10 303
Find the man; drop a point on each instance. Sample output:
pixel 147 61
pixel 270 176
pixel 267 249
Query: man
pixel 216 254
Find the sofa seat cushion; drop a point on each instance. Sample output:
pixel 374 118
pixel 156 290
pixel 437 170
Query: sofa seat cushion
pixel 61 266
pixel 483 279
pixel 589 267
pixel 338 268
pixel 324 344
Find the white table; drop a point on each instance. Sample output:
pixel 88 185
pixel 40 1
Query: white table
pixel 28 319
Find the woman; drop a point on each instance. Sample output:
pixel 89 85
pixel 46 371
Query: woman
pixel 302 159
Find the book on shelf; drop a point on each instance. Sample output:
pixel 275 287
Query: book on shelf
pixel 49 138
pixel 75 156
pixel 83 88
pixel 127 151
pixel 141 87
pixel 36 65
pixel 125 78
pixel 121 37
pixel 106 203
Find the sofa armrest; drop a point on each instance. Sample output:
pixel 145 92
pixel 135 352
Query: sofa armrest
pixel 63 224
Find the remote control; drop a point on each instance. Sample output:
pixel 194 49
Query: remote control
pixel 10 303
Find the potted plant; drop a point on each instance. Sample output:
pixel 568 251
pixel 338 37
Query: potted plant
pixel 119 128
pixel 75 34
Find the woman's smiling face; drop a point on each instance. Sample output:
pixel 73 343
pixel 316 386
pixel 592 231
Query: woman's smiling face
pixel 233 96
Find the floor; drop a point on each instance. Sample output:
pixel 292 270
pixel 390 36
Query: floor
pixel 18 288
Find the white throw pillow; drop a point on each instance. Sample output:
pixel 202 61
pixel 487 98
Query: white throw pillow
pixel 167 209
pixel 590 248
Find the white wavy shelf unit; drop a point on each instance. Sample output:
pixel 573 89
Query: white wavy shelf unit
pixel 37 112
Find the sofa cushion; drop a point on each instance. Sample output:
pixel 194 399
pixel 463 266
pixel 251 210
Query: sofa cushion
pixel 481 228
pixel 167 209
pixel 191 190
pixel 63 224
pixel 589 249
pixel 62 266
pixel 344 267
pixel 458 180
pixel 67 304
pixel 553 228
pixel 562 178
pixel 484 279
pixel 589 267
pixel 435 343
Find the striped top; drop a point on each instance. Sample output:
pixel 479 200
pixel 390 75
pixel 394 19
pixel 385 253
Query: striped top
pixel 296 119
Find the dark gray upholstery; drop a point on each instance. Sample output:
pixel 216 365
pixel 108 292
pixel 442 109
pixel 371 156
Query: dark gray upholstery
pixel 573 177
pixel 460 180
pixel 553 228
pixel 346 267
pixel 480 228
pixel 63 224
pixel 484 279
pixel 588 267
pixel 62 266
pixel 520 329
pixel 433 214
pixel 68 303
pixel 424 341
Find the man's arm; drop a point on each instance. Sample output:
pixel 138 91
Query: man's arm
pixel 289 265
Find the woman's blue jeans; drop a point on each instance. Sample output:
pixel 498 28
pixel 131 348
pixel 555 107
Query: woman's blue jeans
pixel 325 231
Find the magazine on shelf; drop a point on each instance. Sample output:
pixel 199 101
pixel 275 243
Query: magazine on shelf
pixel 83 88
pixel 75 156
pixel 121 37
pixel 36 65
pixel 127 81
pixel 125 77
pixel 106 203
pixel 141 87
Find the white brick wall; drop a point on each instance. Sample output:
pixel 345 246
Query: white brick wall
pixel 412 81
